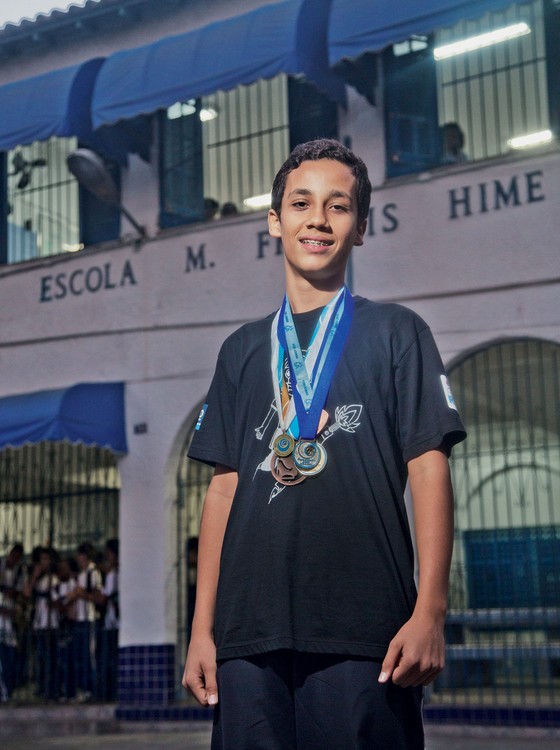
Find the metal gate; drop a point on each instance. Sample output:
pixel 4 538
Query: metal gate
pixel 193 479
pixel 504 621
pixel 53 496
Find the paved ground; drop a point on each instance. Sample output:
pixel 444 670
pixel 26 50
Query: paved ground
pixel 196 736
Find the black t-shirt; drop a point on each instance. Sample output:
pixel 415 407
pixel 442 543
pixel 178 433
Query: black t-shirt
pixel 325 566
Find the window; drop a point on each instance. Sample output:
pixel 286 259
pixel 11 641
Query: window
pixel 219 153
pixel 43 210
pixel 443 105
pixel 42 201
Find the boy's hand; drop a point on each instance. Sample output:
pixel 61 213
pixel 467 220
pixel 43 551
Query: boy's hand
pixel 200 671
pixel 416 655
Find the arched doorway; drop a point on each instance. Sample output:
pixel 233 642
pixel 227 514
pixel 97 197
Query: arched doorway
pixel 504 620
pixel 53 495
pixel 193 479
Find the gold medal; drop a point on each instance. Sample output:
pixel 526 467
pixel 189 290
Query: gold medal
pixel 283 445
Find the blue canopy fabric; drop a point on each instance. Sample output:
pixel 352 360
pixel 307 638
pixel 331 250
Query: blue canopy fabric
pixel 285 37
pixel 54 103
pixel 88 413
pixel 371 25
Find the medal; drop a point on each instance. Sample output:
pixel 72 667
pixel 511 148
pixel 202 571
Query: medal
pixel 284 471
pixel 301 414
pixel 283 445
pixel 310 458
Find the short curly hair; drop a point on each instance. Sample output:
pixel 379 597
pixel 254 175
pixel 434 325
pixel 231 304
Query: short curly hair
pixel 324 148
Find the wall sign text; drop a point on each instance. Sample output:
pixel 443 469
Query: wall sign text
pixel 86 281
pixel 495 195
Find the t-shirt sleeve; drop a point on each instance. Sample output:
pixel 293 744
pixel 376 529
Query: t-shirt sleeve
pixel 214 434
pixel 427 413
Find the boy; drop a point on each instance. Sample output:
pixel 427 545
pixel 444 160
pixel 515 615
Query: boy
pixel 315 419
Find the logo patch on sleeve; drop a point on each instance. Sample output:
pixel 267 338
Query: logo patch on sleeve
pixel 201 416
pixel 447 392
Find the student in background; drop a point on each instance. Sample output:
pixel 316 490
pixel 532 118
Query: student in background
pixel 107 601
pixel 89 584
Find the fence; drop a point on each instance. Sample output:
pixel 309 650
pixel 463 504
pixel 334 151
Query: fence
pixel 53 498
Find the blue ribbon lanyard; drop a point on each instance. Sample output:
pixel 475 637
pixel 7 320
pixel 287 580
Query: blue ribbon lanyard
pixel 311 376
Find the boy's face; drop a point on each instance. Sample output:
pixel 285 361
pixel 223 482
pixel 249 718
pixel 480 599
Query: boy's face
pixel 319 221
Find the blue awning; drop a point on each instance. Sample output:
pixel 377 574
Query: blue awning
pixel 55 103
pixel 88 413
pixel 286 37
pixel 370 25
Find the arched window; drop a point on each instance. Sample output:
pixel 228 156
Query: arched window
pixel 505 585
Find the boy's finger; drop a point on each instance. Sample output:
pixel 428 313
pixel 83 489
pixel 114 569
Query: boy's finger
pixel 195 683
pixel 390 662
pixel 211 686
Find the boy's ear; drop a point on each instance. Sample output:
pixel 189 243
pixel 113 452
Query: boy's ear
pixel 274 224
pixel 362 226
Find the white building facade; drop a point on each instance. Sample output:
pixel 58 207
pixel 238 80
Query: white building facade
pixel 467 236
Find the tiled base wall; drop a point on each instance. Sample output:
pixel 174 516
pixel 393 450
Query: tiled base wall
pixel 163 713
pixel 147 686
pixel 147 675
pixel 147 692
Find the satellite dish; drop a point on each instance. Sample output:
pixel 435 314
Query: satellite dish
pixel 90 171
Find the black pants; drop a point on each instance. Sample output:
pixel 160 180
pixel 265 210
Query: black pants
pixel 285 700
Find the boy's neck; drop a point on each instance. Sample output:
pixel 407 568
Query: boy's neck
pixel 305 297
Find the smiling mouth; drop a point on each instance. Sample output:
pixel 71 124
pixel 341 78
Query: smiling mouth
pixel 316 243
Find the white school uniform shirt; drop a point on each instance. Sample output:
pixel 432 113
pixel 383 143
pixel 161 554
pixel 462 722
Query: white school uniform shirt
pixel 61 591
pixel 88 579
pixel 46 616
pixel 110 588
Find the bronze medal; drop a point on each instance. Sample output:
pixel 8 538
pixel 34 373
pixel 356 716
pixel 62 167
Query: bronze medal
pixel 284 471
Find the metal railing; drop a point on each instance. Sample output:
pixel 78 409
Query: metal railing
pixel 503 628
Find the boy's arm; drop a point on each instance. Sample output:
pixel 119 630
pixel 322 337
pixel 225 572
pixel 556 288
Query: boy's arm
pixel 416 655
pixel 200 668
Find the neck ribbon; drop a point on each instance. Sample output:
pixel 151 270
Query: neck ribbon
pixel 311 376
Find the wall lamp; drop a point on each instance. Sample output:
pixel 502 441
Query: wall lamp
pixel 90 171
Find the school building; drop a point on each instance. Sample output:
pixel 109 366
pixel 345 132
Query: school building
pixel 110 321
